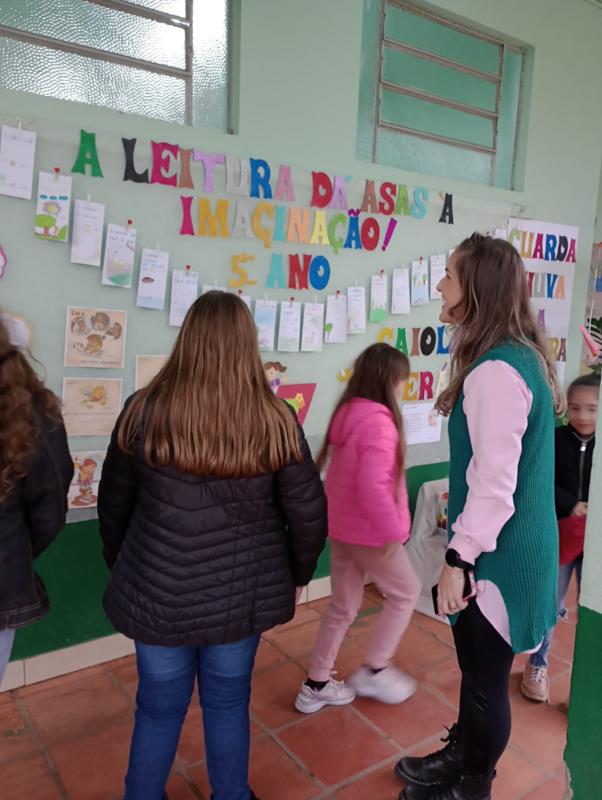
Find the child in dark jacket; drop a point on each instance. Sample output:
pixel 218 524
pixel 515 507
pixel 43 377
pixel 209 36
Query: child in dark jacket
pixel 574 450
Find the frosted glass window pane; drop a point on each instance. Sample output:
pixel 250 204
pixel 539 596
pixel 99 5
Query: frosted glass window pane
pixel 95 26
pixel 433 158
pixel 30 68
pixel 177 7
pixel 210 64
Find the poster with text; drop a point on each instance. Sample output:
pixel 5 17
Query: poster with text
pixel 184 291
pixel 95 337
pixel 52 207
pixel 549 253
pixel 83 492
pixel 91 407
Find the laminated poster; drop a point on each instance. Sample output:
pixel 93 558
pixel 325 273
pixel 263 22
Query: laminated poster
pixel 95 337
pixel 91 407
pixel 83 492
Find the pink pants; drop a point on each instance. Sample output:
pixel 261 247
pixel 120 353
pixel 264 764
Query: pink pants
pixel 391 570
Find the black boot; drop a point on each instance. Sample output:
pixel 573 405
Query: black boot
pixel 437 768
pixel 466 787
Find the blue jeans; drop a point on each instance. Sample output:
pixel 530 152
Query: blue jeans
pixel 565 573
pixel 166 681
pixel 7 637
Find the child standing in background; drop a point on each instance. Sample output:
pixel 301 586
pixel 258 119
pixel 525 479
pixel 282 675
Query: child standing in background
pixel 574 451
pixel 369 522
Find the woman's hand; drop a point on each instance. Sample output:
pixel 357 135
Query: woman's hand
pixel 451 590
pixel 580 510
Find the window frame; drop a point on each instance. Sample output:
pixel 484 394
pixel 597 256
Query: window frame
pixel 495 78
pixel 184 23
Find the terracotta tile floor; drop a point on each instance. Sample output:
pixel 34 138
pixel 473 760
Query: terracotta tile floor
pixel 67 739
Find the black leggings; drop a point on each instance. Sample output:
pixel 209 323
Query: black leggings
pixel 485 661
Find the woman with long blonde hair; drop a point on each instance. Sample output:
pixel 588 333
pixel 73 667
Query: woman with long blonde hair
pixel 499 581
pixel 35 473
pixel 212 514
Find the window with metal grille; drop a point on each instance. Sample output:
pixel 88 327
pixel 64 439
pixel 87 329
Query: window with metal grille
pixel 166 59
pixel 438 98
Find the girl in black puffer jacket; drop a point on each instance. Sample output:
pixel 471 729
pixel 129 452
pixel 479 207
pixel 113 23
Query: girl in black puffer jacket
pixel 35 473
pixel 212 514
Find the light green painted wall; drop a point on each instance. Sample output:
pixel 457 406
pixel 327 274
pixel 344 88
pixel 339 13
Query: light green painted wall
pixel 299 76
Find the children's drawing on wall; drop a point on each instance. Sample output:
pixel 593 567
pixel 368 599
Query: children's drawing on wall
pixel 275 374
pixel 83 492
pixel 95 338
pixel 52 207
pixel 90 408
pixel 120 248
pixel 299 397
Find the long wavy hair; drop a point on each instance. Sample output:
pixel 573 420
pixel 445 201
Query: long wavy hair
pixel 24 402
pixel 376 372
pixel 496 308
pixel 210 410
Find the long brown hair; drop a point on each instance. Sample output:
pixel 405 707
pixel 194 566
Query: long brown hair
pixel 376 372
pixel 23 400
pixel 497 308
pixel 210 410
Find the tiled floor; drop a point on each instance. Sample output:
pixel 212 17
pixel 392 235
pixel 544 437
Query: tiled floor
pixel 67 739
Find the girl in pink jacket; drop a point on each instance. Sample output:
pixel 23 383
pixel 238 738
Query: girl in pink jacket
pixel 369 522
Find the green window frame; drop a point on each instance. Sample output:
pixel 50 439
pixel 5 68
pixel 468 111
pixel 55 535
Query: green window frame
pixel 438 97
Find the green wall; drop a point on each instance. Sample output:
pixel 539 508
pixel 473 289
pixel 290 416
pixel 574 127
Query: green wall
pixel 297 102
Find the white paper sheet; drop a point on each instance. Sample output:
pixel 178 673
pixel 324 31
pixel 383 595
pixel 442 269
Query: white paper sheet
pixel 313 328
pixel 421 423
pixel 438 263
pixel 400 293
pixel 17 156
pixel 120 249
pixel 265 320
pixel 88 226
pixel 152 282
pixel 184 291
pixel 378 298
pixel 289 329
pixel 420 282
pixel 52 207
pixel 356 309
pixel 335 329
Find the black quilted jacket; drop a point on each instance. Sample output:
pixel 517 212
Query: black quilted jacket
pixel 30 517
pixel 198 560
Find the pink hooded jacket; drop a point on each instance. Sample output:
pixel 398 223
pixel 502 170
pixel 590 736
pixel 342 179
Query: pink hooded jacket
pixel 360 482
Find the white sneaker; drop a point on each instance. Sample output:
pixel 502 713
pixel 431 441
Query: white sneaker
pixel 335 693
pixel 390 685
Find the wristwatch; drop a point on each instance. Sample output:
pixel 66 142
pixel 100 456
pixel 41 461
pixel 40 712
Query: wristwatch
pixel 452 557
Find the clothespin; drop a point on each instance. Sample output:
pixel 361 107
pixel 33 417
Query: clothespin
pixel 292 300
pixel 338 292
pixel 421 259
pixel 381 272
pixel 130 223
pixel 187 268
pixel 57 173
pixel 88 198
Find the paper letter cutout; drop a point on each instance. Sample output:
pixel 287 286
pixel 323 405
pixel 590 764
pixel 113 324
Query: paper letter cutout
pixel 284 186
pixel 209 161
pixel 260 178
pixel 130 174
pixel 162 163
pixel 208 222
pixel 87 155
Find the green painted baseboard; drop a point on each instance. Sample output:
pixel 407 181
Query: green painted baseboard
pixel 75 575
pixel 584 752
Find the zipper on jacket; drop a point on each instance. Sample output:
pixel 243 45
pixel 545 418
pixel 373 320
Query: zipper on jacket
pixel 583 443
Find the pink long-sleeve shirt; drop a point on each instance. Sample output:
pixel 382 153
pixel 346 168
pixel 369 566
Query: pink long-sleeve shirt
pixel 497 402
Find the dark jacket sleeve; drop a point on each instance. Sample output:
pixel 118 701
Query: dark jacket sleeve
pixel 45 488
pixel 565 502
pixel 116 498
pixel 304 504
